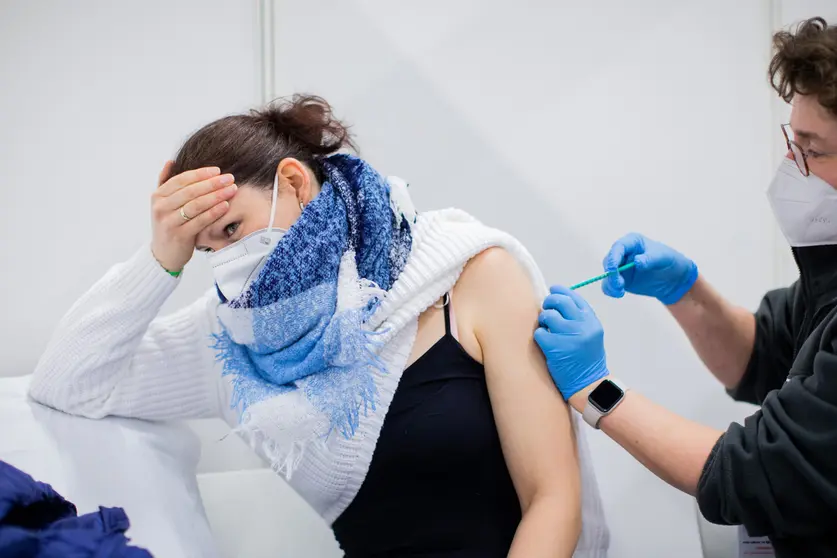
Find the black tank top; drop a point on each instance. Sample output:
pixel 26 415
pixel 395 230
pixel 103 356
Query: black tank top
pixel 438 483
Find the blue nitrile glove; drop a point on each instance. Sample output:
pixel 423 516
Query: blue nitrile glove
pixel 660 272
pixel 572 339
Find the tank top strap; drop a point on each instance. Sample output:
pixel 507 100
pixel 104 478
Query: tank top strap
pixel 447 311
pixel 450 317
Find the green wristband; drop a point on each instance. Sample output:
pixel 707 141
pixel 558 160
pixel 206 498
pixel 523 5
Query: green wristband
pixel 172 273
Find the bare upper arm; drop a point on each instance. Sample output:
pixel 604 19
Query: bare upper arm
pixel 497 299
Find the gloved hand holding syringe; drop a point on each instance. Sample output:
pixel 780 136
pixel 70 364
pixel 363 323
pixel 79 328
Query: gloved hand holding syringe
pixel 597 278
pixel 572 337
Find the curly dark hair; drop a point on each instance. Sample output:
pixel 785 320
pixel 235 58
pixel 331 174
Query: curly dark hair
pixel 805 62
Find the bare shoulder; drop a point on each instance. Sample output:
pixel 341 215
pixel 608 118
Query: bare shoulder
pixel 495 296
pixel 496 271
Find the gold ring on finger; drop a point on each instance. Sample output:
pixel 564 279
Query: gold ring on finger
pixel 183 214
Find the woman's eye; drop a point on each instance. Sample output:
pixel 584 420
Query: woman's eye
pixel 230 229
pixel 814 154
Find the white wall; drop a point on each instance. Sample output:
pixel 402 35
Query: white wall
pixel 569 124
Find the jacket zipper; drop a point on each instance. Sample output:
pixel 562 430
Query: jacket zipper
pixel 806 318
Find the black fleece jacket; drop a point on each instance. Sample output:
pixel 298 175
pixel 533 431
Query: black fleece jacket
pixel 777 474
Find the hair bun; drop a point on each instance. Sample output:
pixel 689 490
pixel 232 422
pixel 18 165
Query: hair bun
pixel 308 121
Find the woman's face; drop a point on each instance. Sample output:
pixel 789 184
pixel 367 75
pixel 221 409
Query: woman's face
pixel 250 207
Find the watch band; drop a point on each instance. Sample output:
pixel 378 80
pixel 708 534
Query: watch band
pixel 592 415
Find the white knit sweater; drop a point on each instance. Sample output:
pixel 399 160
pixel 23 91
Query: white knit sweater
pixel 112 355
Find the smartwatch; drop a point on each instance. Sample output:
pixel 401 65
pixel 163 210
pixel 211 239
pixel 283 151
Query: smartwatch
pixel 602 400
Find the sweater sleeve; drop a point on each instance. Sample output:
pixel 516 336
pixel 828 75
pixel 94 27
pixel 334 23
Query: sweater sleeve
pixel 777 474
pixel 770 362
pixel 111 355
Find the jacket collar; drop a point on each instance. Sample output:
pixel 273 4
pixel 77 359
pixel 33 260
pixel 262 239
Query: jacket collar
pixel 817 270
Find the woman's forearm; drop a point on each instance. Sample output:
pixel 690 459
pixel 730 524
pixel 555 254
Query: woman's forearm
pixel 95 341
pixel 109 356
pixel 550 528
pixel 722 333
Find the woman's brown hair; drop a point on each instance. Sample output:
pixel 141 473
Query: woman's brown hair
pixel 250 146
pixel 805 63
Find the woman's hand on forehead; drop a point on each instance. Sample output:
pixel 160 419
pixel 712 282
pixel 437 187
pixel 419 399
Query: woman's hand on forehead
pixel 182 207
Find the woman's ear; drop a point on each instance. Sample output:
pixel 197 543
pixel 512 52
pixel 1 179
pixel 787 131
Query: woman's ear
pixel 296 175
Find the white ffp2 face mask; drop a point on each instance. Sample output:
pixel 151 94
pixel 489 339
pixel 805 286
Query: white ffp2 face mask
pixel 237 265
pixel 805 206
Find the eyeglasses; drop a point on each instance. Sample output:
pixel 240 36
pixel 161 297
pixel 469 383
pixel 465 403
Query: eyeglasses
pixel 800 156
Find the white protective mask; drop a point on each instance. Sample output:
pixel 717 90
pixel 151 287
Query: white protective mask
pixel 805 206
pixel 237 265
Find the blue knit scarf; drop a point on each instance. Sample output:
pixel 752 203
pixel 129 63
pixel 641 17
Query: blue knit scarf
pixel 299 328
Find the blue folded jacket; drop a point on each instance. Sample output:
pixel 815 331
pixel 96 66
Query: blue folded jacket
pixel 35 521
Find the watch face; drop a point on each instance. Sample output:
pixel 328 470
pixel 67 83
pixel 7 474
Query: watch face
pixel 605 396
